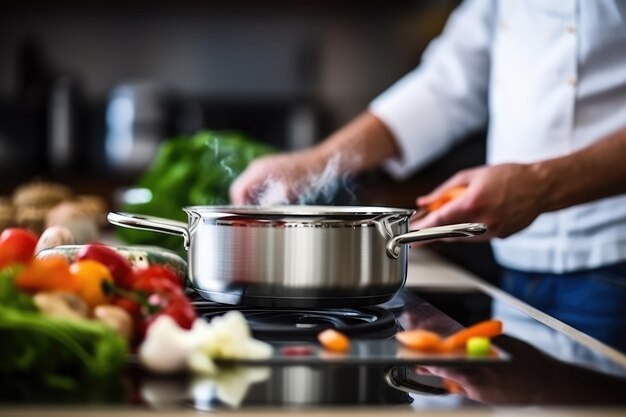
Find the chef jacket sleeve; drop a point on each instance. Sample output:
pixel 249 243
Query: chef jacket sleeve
pixel 445 97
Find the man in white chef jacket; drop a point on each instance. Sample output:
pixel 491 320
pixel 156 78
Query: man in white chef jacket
pixel 549 78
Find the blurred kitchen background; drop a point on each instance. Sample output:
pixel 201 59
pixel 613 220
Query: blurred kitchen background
pixel 88 90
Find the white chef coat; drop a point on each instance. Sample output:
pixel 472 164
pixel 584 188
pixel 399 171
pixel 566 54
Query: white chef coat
pixel 549 77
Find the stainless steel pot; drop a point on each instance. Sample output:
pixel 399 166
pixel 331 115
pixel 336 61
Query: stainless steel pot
pixel 296 256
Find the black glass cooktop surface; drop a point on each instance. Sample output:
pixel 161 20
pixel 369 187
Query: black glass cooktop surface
pixel 541 366
pixel 371 330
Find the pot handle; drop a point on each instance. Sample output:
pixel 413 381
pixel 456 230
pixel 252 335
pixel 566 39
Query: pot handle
pixel 150 223
pixel 452 230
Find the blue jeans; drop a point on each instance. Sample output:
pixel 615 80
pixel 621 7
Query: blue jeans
pixel 592 301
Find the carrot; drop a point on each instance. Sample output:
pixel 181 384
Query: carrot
pixel 334 341
pixel 48 274
pixel 448 196
pixel 420 340
pixel 487 328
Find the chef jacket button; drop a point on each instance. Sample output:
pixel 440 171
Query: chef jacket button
pixel 571 81
pixel 571 29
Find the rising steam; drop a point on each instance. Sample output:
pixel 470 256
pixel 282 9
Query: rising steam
pixel 318 188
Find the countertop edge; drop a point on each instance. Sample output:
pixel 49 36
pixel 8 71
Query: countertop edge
pixel 457 278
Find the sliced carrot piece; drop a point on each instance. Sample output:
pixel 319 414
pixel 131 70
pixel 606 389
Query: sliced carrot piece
pixel 449 195
pixel 487 328
pixel 47 274
pixel 334 341
pixel 420 340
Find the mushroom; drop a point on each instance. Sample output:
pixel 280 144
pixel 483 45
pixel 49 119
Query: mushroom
pixel 71 214
pixel 115 318
pixel 54 236
pixel 61 304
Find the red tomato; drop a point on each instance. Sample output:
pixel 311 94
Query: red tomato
pixel 165 296
pixel 159 292
pixel 119 266
pixel 176 306
pixel 181 310
pixel 133 308
pixel 51 273
pixel 158 271
pixel 17 245
pixel 151 284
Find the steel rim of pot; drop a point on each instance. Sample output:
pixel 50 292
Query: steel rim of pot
pixel 295 214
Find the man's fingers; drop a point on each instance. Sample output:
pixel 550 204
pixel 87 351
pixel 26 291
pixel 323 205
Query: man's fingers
pixel 238 194
pixel 244 189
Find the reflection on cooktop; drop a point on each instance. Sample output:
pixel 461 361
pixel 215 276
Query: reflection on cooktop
pixel 278 324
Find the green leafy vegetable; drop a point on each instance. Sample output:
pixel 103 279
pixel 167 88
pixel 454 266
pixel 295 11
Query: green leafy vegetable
pixel 10 295
pixel 34 344
pixel 196 170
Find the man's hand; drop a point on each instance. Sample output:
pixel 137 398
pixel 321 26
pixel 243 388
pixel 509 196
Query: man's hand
pixel 281 175
pixel 506 197
pixel 360 145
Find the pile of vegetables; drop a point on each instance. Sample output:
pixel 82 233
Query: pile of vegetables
pixel 51 345
pixel 82 317
pixel 195 170
pixel 79 317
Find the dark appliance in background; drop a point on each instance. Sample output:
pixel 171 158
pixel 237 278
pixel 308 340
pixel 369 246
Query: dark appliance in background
pixel 138 117
pixel 50 128
pixel 69 136
pixel 136 122
pixel 42 122
pixel 22 115
pixel 20 151
pixel 64 137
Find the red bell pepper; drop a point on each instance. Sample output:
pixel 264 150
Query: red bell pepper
pixel 118 265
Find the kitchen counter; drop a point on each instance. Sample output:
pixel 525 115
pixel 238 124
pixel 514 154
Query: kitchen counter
pixel 585 380
pixel 429 272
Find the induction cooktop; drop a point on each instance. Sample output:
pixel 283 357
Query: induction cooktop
pixel 293 333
